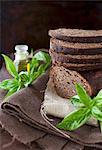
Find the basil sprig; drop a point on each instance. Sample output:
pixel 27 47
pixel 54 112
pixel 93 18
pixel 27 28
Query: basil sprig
pixel 36 67
pixel 86 108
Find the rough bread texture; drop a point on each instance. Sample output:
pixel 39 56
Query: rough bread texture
pixel 75 58
pixel 79 67
pixel 75 48
pixel 77 35
pixel 65 79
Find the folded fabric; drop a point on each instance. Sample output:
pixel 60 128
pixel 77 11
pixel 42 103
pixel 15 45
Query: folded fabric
pixel 10 143
pixel 47 142
pixel 23 109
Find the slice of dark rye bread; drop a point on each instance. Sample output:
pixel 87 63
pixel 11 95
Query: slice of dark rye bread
pixel 79 67
pixel 77 35
pixel 65 79
pixel 75 48
pixel 75 58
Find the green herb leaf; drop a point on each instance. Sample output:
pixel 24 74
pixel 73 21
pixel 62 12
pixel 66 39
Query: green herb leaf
pixel 43 56
pixel 97 113
pixel 98 100
pixel 24 78
pixel 34 65
pixel 75 100
pixel 10 66
pixel 8 84
pixel 75 119
pixel 41 69
pixel 39 72
pixel 99 96
pixel 11 91
pixel 37 67
pixel 99 104
pixel 34 76
pixel 84 97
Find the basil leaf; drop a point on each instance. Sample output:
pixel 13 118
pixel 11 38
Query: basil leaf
pixel 84 97
pixel 8 84
pixel 19 87
pixel 97 113
pixel 41 69
pixel 75 100
pixel 24 78
pixel 37 68
pixel 45 66
pixel 43 56
pixel 34 65
pixel 99 96
pixel 98 100
pixel 10 66
pixel 75 119
pixel 99 104
pixel 39 72
pixel 34 76
pixel 11 91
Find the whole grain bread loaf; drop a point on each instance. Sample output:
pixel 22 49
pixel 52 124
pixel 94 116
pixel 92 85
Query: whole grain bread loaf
pixel 77 35
pixel 75 58
pixel 75 48
pixel 65 79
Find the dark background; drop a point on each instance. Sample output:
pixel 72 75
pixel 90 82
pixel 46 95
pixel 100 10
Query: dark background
pixel 28 22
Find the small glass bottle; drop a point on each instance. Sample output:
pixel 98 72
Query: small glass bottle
pixel 21 57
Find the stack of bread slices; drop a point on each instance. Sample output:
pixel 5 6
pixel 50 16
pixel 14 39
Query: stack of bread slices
pixel 76 58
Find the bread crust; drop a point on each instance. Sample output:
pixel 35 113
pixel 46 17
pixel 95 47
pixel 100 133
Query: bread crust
pixel 75 58
pixel 80 67
pixel 77 35
pixel 65 79
pixel 75 48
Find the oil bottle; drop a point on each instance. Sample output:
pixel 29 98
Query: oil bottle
pixel 21 57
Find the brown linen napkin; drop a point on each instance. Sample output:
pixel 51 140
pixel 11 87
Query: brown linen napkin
pixel 47 142
pixel 7 142
pixel 25 134
pixel 25 105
